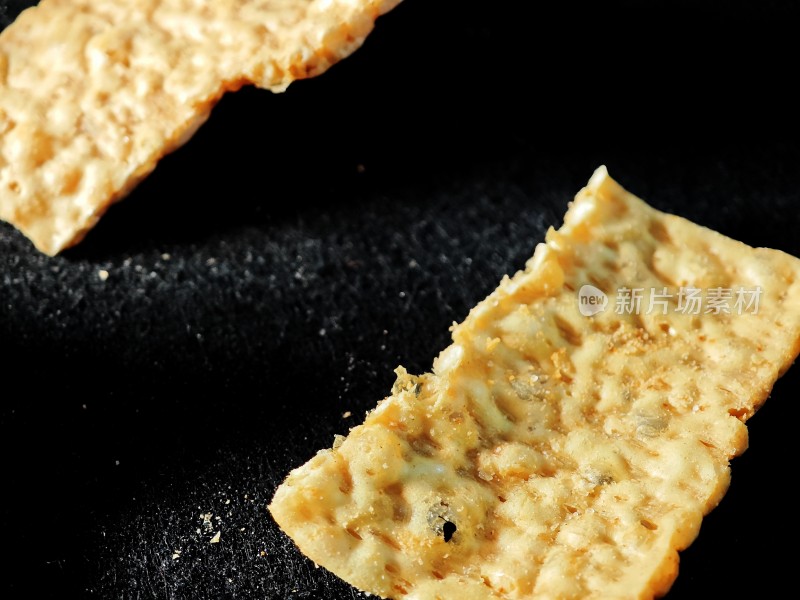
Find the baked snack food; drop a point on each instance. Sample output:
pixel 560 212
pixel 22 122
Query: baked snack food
pixel 94 92
pixel 556 452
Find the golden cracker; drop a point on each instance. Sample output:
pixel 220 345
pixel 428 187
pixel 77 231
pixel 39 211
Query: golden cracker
pixel 551 454
pixel 94 92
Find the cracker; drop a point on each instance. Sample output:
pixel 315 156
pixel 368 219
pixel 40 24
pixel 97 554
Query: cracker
pixel 552 454
pixel 94 92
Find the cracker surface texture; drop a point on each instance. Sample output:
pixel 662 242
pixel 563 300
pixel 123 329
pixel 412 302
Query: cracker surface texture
pixel 94 92
pixel 551 454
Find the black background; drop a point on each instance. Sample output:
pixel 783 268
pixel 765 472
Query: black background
pixel 261 283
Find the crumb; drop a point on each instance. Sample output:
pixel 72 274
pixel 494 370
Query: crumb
pixel 165 256
pixel 215 539
pixel 228 501
pixel 347 414
pixel 102 274
pixel 176 555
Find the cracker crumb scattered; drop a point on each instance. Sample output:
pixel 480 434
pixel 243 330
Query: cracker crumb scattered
pixel 215 539
pixel 102 274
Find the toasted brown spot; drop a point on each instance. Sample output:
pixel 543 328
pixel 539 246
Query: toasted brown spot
pixel 659 231
pixel 401 510
pixel 353 533
pixel 386 539
pixel 739 413
pixel 566 329
pixel 649 525
pixel 424 444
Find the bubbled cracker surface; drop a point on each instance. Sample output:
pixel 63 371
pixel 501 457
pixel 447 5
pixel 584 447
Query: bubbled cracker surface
pixel 94 92
pixel 574 455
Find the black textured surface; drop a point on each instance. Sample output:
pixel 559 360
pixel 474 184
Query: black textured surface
pixel 261 284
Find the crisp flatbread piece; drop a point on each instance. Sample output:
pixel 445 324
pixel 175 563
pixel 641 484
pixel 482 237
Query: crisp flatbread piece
pixel 94 92
pixel 552 454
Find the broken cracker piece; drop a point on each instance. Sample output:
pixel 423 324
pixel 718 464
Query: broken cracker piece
pixel 552 454
pixel 94 93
